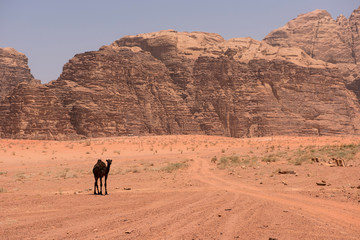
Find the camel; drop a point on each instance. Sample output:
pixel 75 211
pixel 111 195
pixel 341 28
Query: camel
pixel 101 170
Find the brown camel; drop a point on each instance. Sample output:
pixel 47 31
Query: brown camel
pixel 101 170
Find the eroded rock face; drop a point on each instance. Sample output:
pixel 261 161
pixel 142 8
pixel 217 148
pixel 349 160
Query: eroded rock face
pixel 177 50
pixel 14 69
pixel 265 98
pixel 34 111
pixel 321 37
pixel 120 91
pixel 244 88
pixel 172 82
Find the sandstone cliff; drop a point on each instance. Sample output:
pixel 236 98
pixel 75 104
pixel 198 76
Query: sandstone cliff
pixel 172 82
pixel 14 69
pixel 322 37
pixel 243 87
pixel 121 91
pixel 33 111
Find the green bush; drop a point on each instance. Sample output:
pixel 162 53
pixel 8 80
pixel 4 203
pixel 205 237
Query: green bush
pixel 345 151
pixel 230 161
pixel 174 166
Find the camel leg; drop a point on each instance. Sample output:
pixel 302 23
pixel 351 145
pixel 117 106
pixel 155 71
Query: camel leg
pixel 100 186
pixel 96 186
pixel 106 185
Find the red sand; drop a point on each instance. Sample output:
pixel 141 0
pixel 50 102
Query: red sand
pixel 46 191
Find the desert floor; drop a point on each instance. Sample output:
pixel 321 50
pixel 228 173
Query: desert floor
pixel 181 187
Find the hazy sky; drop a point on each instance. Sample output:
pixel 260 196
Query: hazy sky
pixel 51 32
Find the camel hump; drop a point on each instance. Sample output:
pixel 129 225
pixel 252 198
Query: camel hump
pixel 100 164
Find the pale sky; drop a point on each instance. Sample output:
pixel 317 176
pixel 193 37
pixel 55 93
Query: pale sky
pixel 51 32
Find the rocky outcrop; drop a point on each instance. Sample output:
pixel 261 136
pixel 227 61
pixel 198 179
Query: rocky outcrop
pixel 322 37
pixel 273 98
pixel 221 81
pixel 172 82
pixel 14 69
pixel 120 91
pixel 34 111
pixel 179 51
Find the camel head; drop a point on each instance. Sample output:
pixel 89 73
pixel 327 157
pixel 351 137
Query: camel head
pixel 109 161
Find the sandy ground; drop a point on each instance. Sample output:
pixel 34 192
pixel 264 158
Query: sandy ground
pixel 46 190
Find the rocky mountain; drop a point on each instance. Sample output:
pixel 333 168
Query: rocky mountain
pixel 14 69
pixel 171 82
pixel 34 111
pixel 321 36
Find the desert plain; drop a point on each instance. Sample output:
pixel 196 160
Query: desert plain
pixel 181 187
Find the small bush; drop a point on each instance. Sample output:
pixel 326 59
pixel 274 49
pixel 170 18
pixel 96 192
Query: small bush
pixel 269 158
pixel 103 150
pixel 132 169
pixel 273 157
pixel 67 173
pixel 345 151
pixel 174 166
pixel 228 162
pixel 115 171
pixel 21 176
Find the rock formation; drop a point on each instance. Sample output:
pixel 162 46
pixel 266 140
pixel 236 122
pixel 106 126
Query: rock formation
pixel 33 111
pixel 172 82
pixel 14 69
pixel 120 91
pixel 321 37
pixel 221 81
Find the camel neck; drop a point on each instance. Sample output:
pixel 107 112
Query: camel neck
pixel 108 167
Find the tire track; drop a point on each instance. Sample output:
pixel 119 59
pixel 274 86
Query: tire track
pixel 338 214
